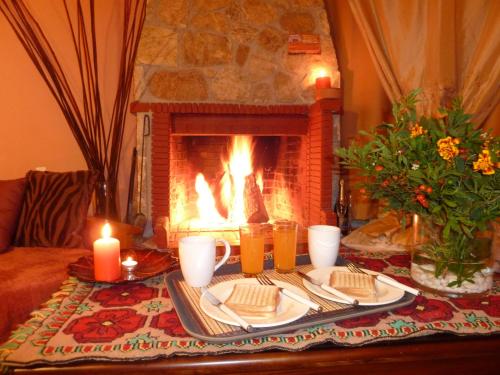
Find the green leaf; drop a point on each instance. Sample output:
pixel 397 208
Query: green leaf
pixel 460 164
pixel 476 213
pixel 436 209
pixel 449 203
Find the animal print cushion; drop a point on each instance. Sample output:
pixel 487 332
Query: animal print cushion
pixel 55 209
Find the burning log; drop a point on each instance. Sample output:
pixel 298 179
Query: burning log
pixel 255 210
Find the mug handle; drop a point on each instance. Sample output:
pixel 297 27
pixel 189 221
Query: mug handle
pixel 226 254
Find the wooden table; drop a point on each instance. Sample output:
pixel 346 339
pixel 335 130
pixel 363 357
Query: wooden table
pixel 437 354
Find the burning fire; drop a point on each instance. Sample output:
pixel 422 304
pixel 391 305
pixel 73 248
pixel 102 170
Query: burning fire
pixel 232 187
pixel 207 209
pixel 238 168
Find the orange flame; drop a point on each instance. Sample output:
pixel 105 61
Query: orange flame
pixel 259 180
pixel 240 166
pixel 207 210
pixel 232 186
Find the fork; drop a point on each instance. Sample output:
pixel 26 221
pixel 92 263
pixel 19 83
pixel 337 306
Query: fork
pixel 384 279
pixel 354 268
pixel 264 280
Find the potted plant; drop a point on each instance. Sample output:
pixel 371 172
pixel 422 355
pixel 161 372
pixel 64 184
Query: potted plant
pixel 445 171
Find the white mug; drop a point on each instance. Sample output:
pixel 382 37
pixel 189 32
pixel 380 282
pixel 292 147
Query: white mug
pixel 197 258
pixel 323 244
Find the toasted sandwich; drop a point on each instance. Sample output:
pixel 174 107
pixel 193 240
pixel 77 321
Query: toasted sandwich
pixel 357 284
pixel 254 300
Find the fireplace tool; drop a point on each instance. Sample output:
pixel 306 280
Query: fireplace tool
pixel 130 198
pixel 140 219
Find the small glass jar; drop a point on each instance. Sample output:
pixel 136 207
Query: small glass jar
pixel 479 275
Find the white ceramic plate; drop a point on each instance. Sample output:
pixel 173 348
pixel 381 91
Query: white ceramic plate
pixel 385 293
pixel 288 309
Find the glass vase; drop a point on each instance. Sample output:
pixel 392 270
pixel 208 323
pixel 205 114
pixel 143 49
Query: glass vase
pixel 105 201
pixel 456 268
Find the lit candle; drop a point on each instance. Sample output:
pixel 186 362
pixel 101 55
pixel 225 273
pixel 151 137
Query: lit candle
pixel 323 80
pixel 107 256
pixel 323 83
pixel 129 264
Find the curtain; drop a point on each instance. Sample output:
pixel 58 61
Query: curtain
pixel 85 52
pixel 447 48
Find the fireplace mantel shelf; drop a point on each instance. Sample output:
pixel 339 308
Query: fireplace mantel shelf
pixel 241 109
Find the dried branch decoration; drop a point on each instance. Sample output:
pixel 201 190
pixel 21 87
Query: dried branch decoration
pixel 81 99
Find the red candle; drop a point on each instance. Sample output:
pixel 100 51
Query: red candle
pixel 107 265
pixel 323 83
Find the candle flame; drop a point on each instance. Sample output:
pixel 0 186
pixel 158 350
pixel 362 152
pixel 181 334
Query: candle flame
pixel 318 72
pixel 129 259
pixel 322 73
pixel 106 231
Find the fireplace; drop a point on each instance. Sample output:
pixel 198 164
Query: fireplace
pixel 291 158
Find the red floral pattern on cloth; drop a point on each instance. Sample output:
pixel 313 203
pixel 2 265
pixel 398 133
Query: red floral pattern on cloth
pixel 403 280
pixel 105 325
pixel 169 323
pixel 489 304
pixel 124 295
pixel 369 263
pixel 370 320
pixel 424 309
pixel 164 293
pixel 400 260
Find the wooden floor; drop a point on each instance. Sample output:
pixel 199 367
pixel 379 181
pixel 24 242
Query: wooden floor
pixel 439 354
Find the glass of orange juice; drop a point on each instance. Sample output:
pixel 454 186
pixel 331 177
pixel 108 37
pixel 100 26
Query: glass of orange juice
pixel 285 245
pixel 252 248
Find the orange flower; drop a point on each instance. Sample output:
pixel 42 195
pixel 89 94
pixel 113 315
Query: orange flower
pixel 417 130
pixel 379 168
pixel 447 147
pixel 484 163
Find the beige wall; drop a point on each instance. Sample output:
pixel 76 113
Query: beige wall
pixel 33 131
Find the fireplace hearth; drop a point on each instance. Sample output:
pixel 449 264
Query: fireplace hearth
pixel 291 161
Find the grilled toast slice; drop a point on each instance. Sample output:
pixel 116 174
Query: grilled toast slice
pixel 254 300
pixel 357 284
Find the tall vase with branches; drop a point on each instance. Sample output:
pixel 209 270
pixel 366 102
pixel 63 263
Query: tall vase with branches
pixel 81 99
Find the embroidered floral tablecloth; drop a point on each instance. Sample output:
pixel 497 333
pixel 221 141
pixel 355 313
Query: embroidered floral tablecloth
pixel 138 321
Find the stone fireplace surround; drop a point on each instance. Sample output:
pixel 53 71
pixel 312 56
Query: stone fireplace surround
pixel 312 125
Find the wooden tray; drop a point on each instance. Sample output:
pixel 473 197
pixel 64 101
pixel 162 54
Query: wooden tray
pixel 149 263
